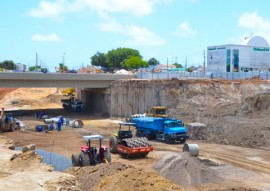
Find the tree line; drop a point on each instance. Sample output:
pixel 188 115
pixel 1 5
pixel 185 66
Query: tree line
pixel 121 58
pixel 115 59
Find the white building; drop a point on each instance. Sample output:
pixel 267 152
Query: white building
pixel 253 54
pixel 21 67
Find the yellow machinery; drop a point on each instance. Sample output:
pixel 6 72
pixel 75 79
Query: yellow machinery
pixel 158 111
pixel 7 122
pixel 69 91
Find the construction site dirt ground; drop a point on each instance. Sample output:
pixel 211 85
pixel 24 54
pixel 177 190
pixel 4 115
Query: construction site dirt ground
pixel 237 168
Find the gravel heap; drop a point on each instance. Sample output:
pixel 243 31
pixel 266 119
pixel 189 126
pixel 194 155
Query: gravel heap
pixel 186 170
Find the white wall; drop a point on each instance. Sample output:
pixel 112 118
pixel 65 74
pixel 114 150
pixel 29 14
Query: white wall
pixel 216 58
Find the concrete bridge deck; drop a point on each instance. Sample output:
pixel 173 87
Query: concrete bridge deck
pixel 78 80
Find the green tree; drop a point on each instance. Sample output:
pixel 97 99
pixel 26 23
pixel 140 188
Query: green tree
pixel 114 58
pixel 8 65
pixel 178 65
pixel 153 61
pixel 134 62
pixel 190 69
pixel 62 68
pixel 37 68
pixel 99 59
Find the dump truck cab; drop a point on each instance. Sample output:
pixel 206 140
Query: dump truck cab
pixel 174 130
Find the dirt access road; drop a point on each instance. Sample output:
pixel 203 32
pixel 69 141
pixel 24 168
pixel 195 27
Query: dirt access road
pixel 254 165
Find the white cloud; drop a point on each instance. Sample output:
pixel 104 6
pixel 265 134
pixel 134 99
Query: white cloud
pixel 255 24
pixel 45 38
pixel 56 9
pixel 185 30
pixel 139 35
pixel 133 7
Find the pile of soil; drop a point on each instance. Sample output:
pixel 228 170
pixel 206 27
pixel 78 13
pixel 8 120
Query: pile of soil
pixel 186 170
pixel 6 142
pixel 20 162
pixel 24 171
pixel 118 176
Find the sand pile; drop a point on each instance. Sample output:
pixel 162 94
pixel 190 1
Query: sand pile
pixel 6 142
pixel 119 176
pixel 186 170
pixel 25 160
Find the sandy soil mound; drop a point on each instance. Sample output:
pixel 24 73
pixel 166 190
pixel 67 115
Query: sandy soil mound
pixel 6 142
pixel 119 176
pixel 24 171
pixel 186 170
pixel 30 98
pixel 20 162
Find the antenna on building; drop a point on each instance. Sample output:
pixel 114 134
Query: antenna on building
pixel 36 66
pixel 63 59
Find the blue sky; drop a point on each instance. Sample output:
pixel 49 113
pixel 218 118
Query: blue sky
pixel 77 29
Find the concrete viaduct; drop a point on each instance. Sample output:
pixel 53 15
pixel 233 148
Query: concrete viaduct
pixel 60 80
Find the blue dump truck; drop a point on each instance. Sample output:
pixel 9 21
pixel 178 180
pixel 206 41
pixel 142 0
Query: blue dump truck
pixel 166 129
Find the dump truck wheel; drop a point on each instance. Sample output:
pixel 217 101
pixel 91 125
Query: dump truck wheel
pixel 167 139
pixel 113 144
pixel 107 155
pixel 183 141
pixel 84 159
pixel 75 158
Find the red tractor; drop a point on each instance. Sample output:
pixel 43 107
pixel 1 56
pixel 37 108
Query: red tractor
pixel 91 155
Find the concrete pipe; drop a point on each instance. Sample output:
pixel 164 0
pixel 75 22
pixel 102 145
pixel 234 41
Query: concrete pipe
pixel 193 149
pixel 49 121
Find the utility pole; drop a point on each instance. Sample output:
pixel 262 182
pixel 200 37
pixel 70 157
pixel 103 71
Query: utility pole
pixel 63 59
pixel 36 66
pixel 176 60
pixel 167 68
pixel 167 64
pixel 186 63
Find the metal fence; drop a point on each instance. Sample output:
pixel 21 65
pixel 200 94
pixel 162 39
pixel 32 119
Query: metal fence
pixel 195 75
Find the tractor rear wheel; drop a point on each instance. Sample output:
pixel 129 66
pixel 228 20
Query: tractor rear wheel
pixel 75 158
pixel 84 159
pixel 18 127
pixel 113 144
pixel 107 155
pixel 11 127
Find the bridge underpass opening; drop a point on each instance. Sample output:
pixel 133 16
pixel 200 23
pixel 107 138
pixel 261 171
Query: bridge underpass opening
pixel 97 101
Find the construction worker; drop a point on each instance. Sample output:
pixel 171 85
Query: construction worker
pixel 2 117
pixel 59 125
pixel 51 127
